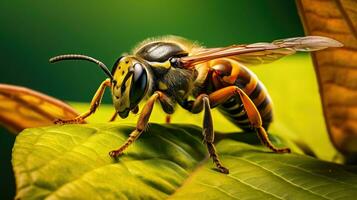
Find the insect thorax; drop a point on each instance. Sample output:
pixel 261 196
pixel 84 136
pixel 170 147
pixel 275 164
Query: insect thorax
pixel 174 82
pixel 160 51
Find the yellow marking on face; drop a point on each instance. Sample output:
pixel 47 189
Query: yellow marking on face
pixel 122 70
pixel 162 86
pixel 121 98
pixel 123 101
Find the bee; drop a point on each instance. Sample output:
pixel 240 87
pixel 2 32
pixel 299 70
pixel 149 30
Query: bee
pixel 173 70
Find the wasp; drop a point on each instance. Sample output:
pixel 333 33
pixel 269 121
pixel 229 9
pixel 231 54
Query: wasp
pixel 173 70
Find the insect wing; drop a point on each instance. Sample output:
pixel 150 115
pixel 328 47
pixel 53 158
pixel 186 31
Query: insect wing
pixel 258 53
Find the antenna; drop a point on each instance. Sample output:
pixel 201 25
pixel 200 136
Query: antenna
pixel 82 57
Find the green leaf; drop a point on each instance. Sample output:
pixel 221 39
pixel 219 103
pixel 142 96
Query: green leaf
pixel 166 162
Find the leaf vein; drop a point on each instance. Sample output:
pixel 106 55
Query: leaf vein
pixel 256 188
pixel 326 177
pixel 218 188
pixel 281 177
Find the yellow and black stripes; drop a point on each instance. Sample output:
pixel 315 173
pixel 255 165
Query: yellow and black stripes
pixel 233 108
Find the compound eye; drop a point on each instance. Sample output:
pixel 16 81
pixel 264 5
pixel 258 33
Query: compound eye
pixel 139 84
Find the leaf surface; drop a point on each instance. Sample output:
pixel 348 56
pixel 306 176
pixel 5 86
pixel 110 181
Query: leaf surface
pixel 167 162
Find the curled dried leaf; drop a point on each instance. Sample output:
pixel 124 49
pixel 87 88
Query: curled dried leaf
pixel 336 68
pixel 22 108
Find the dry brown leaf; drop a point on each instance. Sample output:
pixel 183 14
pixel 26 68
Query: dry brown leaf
pixel 336 68
pixel 22 108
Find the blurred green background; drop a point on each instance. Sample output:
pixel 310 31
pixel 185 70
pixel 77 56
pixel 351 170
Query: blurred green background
pixel 32 31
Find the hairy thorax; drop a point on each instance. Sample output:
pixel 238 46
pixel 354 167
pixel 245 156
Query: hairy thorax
pixel 174 82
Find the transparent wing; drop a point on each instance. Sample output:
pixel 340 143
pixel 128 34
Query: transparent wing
pixel 258 57
pixel 262 52
pixel 22 108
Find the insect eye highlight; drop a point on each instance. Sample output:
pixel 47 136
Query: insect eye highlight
pixel 138 71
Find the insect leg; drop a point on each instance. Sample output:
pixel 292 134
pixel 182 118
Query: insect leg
pixel 168 119
pixel 93 105
pixel 254 117
pixel 112 119
pixel 203 102
pixel 208 134
pixel 142 122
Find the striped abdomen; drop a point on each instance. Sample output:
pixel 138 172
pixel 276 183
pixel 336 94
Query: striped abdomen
pixel 233 108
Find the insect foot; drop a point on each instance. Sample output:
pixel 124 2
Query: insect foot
pixel 115 153
pixel 283 150
pixel 69 121
pixel 223 170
